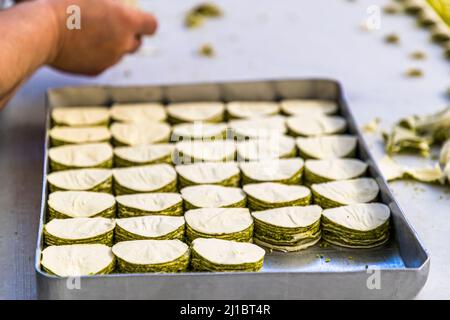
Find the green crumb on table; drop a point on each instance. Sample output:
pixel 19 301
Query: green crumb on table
pixel 447 50
pixel 350 258
pixel 427 18
pixel 440 34
pixel 207 10
pixel 197 15
pixel 392 38
pixel 413 7
pixel 206 50
pixel 327 260
pixel 372 126
pixel 392 8
pixel 418 55
pixel 414 73
pixel 193 21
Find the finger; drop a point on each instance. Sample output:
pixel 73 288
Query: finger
pixel 134 45
pixel 145 23
pixel 149 24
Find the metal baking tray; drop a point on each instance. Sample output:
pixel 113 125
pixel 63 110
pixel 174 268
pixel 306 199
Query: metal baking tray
pixel 396 270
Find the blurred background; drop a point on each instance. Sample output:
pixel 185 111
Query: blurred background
pixel 442 7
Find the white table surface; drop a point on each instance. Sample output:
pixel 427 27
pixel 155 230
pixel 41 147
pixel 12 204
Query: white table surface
pixel 256 39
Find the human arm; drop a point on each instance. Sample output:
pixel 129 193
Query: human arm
pixel 34 34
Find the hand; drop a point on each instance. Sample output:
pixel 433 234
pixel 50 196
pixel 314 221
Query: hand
pixel 109 30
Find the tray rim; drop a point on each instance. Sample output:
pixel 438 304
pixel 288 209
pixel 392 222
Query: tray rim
pixel 340 96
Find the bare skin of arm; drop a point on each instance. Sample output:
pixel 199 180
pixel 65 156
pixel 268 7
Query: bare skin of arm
pixel 34 34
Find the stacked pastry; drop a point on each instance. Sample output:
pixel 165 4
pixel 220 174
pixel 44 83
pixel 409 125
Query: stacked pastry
pixel 182 187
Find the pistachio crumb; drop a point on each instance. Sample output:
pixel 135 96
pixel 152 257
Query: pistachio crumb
pixel 197 15
pixel 447 49
pixel 392 38
pixel 414 73
pixel 413 7
pixel 392 8
pixel 327 260
pixel 371 126
pixel 193 21
pixel 206 50
pixel 418 55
